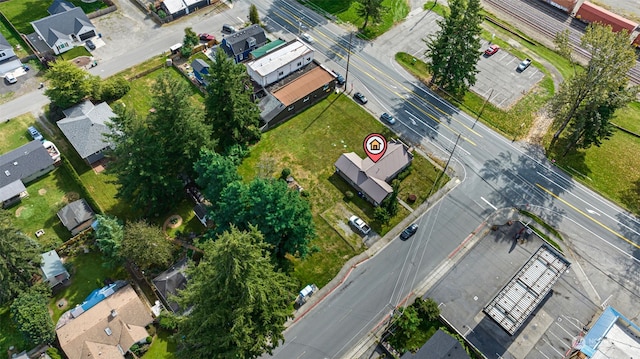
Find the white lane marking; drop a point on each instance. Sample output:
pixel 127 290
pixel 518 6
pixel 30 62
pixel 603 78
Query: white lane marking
pixel 593 212
pixel 436 131
pixel 489 203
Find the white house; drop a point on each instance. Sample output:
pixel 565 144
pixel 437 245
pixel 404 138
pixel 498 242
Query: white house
pixel 8 59
pixel 278 64
pixel 65 30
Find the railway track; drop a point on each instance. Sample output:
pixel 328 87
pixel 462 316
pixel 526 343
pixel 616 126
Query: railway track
pixel 548 21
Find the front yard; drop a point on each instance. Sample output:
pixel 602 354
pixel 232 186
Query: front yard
pixel 309 144
pixel 22 12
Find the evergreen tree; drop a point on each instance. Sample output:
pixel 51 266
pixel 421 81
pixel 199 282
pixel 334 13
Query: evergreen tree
pixel 215 172
pixel 109 235
pixel 369 10
pixel 254 17
pixel 239 302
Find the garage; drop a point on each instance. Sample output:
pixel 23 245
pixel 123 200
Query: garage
pixel 87 35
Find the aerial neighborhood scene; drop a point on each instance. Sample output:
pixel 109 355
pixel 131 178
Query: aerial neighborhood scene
pixel 314 179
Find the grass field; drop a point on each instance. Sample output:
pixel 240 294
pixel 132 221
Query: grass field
pixel 309 145
pixel 22 12
pixel 346 10
pixel 13 134
pixel 13 38
pixel 75 52
pixel 162 347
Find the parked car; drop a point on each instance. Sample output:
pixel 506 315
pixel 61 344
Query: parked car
pixel 10 78
pixel 491 50
pixel 306 37
pixel 228 29
pixel 408 232
pixel 340 80
pixel 360 98
pixel 90 45
pixel 523 65
pixel 35 134
pixel 206 37
pixel 360 225
pixel 388 118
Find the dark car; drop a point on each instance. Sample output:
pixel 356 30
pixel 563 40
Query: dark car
pixel 228 29
pixel 492 50
pixel 91 45
pixel 360 98
pixel 408 232
pixel 340 79
pixel 388 118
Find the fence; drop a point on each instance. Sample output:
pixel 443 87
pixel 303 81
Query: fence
pixel 101 12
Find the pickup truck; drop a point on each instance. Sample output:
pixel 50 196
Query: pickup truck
pixel 524 64
pixel 360 225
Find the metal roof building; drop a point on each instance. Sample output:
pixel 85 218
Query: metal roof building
pixel 612 336
pixel 511 307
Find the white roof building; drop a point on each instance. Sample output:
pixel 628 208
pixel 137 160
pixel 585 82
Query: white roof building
pixel 278 64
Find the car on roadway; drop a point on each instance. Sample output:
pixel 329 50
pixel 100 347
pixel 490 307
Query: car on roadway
pixel 492 50
pixel 35 134
pixel 523 65
pixel 90 45
pixel 10 78
pixel 408 232
pixel 340 80
pixel 228 29
pixel 308 38
pixel 206 37
pixel 388 118
pixel 358 96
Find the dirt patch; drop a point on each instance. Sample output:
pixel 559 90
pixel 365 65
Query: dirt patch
pixel 70 197
pixel 173 221
pixel 541 124
pixel 19 211
pixel 42 191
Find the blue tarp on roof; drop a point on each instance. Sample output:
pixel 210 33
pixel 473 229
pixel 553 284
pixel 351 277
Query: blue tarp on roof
pixel 96 297
pixel 600 328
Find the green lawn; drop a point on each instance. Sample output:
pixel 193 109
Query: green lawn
pixel 13 133
pixel 309 145
pixel 346 10
pixel 162 347
pixel 13 38
pixel 87 273
pixel 75 52
pixel 22 12
pixel 629 117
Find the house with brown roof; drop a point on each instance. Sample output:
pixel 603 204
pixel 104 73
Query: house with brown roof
pixel 106 330
pixel 372 179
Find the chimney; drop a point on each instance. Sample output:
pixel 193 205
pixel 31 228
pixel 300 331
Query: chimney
pixel 114 313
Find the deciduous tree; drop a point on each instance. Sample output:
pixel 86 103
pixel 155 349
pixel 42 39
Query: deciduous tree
pixel 279 213
pixel 232 115
pixel 145 245
pixel 603 85
pixel 215 172
pixel 19 259
pixel 239 302
pixel 69 84
pixel 30 313
pixel 369 10
pixel 454 50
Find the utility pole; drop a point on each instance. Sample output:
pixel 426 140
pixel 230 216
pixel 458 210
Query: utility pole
pixel 446 166
pixel 482 108
pixel 346 76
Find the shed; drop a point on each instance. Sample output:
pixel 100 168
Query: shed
pixel 76 216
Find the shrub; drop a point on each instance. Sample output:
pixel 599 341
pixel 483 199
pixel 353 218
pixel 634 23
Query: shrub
pixel 149 339
pixel 286 172
pixel 113 88
pixel 349 195
pixel 405 173
pixel 53 353
pixel 381 215
pixel 162 14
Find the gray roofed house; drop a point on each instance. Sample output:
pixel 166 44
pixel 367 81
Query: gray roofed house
pixel 76 216
pixel 370 178
pixel 171 281
pixel 59 6
pixel 440 346
pixel 240 44
pixel 8 59
pixel 63 31
pixel 85 126
pixel 53 269
pixel 21 166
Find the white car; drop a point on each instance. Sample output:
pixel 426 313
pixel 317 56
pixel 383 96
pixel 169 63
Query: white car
pixel 306 37
pixel 10 78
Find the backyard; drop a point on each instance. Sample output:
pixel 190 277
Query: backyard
pixel 22 12
pixel 309 144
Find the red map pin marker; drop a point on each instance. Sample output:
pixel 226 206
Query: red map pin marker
pixel 375 145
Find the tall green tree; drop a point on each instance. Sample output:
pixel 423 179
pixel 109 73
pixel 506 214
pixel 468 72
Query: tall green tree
pixel 69 84
pixel 454 50
pixel 240 302
pixel 145 245
pixel 279 213
pixel 254 17
pixel 215 172
pixel 30 312
pixel 604 79
pixel 19 259
pixel 370 10
pixel 230 111
pixel 189 41
pixel 109 235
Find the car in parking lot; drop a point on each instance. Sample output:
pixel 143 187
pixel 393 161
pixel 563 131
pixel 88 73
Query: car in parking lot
pixel 358 96
pixel 408 232
pixel 90 45
pixel 340 80
pixel 388 118
pixel 308 38
pixel 492 50
pixel 523 65
pixel 206 37
pixel 10 78
pixel 35 134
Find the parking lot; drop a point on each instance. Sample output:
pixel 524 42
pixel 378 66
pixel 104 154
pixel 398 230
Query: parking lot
pixel 475 280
